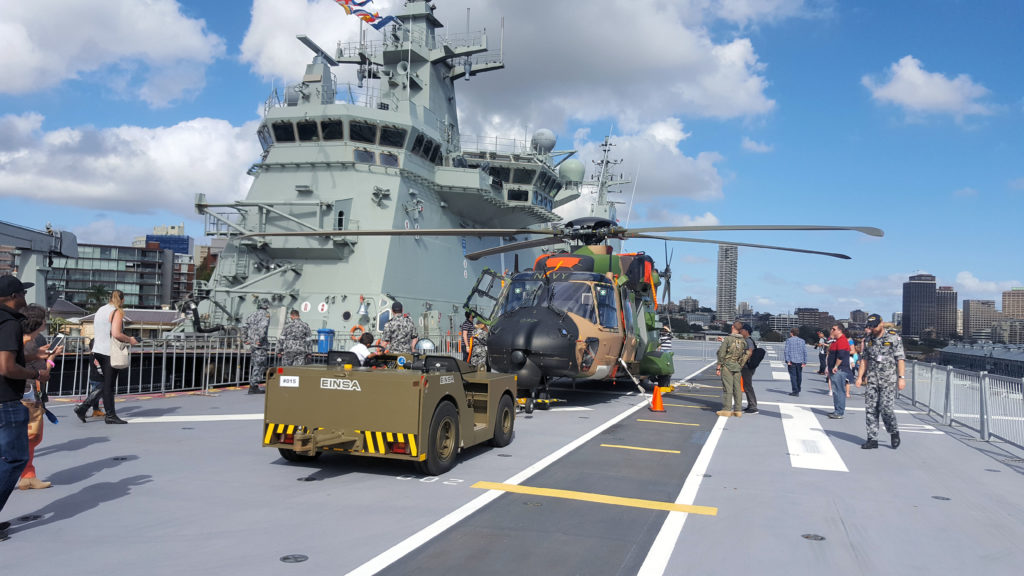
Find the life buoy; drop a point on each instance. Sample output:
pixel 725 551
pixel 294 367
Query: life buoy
pixel 352 332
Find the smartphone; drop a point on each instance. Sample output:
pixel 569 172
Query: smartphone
pixel 58 340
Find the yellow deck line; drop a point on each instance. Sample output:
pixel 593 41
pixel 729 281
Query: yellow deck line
pixel 667 422
pixel 598 498
pixel 639 448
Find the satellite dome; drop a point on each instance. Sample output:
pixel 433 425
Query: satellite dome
pixel 543 141
pixel 571 170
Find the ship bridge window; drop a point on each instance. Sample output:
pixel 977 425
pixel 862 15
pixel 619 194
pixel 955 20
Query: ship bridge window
pixel 307 131
pixel 518 195
pixel 284 132
pixel 393 137
pixel 502 173
pixel 523 176
pixel 543 181
pixel 436 157
pixel 365 156
pixel 428 148
pixel 389 159
pixel 417 144
pixel 341 221
pixel 362 132
pixel 266 141
pixel 333 129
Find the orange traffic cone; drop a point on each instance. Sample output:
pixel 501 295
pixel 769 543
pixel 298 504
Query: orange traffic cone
pixel 656 401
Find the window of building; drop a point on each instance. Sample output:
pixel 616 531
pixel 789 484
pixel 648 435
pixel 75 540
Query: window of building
pixel 364 156
pixel 284 132
pixel 393 137
pixel 362 132
pixel 333 129
pixel 389 159
pixel 307 131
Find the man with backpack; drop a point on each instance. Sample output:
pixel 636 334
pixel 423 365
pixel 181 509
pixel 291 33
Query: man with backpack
pixel 732 355
pixel 756 355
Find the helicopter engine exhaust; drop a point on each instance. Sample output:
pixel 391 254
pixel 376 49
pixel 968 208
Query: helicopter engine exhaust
pixel 533 343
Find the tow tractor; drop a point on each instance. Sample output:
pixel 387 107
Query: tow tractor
pixel 421 409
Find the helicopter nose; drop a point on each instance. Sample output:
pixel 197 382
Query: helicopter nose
pixel 517 359
pixel 535 342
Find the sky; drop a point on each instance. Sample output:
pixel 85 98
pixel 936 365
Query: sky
pixel 906 115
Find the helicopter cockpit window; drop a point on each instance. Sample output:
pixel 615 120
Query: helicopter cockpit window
pixel 575 297
pixel 606 312
pixel 627 312
pixel 520 293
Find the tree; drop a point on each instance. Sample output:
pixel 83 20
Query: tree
pixel 772 336
pixel 97 296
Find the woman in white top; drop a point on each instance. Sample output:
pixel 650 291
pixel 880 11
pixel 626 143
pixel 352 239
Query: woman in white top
pixel 108 324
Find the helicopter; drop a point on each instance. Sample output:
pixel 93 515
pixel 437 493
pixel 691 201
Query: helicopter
pixel 582 312
pixel 588 312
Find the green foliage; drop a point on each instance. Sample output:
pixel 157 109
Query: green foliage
pixel 772 336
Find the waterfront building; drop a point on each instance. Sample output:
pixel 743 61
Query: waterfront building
pixel 919 305
pixel 999 359
pixel 945 312
pixel 146 276
pixel 810 317
pixel 728 260
pixel 781 323
pixel 702 318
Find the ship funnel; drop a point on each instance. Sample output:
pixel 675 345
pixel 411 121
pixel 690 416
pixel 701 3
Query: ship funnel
pixel 402 68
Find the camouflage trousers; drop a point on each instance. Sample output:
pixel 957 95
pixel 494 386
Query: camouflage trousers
pixel 732 390
pixel 293 358
pixel 879 398
pixel 258 363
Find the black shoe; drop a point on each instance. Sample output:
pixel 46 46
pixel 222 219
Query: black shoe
pixel 895 440
pixel 870 444
pixel 794 393
pixel 80 412
pixel 835 416
pixel 256 390
pixel 113 419
pixel 751 410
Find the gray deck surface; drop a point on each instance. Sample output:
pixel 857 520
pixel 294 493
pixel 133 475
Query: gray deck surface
pixel 203 497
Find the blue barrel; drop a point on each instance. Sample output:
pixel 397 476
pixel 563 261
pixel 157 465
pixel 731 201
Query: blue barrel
pixel 324 340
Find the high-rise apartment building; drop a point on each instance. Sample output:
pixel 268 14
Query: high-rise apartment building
pixel 979 316
pixel 145 276
pixel 945 312
pixel 728 260
pixel 1013 303
pixel 689 304
pixel 810 317
pixel 919 305
pixel 858 317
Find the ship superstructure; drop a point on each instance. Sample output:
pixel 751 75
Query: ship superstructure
pixel 387 155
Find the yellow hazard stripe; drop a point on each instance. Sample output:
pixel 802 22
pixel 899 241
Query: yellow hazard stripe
pixel 380 443
pixel 412 445
pixel 369 442
pixel 270 432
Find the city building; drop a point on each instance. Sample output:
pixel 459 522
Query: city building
pixel 1013 303
pixel 689 304
pixel 979 316
pixel 702 318
pixel 744 309
pixel 781 323
pixel 144 275
pixel 810 317
pixel 897 318
pixel 999 359
pixel 858 317
pixel 919 306
pixel 1008 331
pixel 728 260
pixel 945 312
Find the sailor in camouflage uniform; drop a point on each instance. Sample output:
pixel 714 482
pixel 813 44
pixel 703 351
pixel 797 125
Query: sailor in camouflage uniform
pixel 294 341
pixel 732 355
pixel 256 326
pixel 883 362
pixel 478 354
pixel 399 335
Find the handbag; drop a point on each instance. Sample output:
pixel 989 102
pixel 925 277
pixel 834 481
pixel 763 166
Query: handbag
pixel 119 357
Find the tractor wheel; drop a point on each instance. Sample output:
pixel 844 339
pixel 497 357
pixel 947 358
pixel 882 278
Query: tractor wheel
pixel 504 422
pixel 442 440
pixel 293 456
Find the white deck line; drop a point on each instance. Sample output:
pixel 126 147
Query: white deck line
pixel 396 552
pixel 808 445
pixel 665 542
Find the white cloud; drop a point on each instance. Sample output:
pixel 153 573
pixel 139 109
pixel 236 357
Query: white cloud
pixel 746 12
pixel 146 48
pixel 970 287
pixel 753 146
pixel 965 192
pixel 128 169
pixel 918 91
pixel 815 289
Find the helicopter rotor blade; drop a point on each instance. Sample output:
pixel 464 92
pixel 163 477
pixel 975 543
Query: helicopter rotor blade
pixel 869 230
pixel 403 232
pixel 704 241
pixel 513 247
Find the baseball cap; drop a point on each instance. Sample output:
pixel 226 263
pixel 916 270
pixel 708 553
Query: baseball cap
pixel 874 320
pixel 748 328
pixel 10 285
